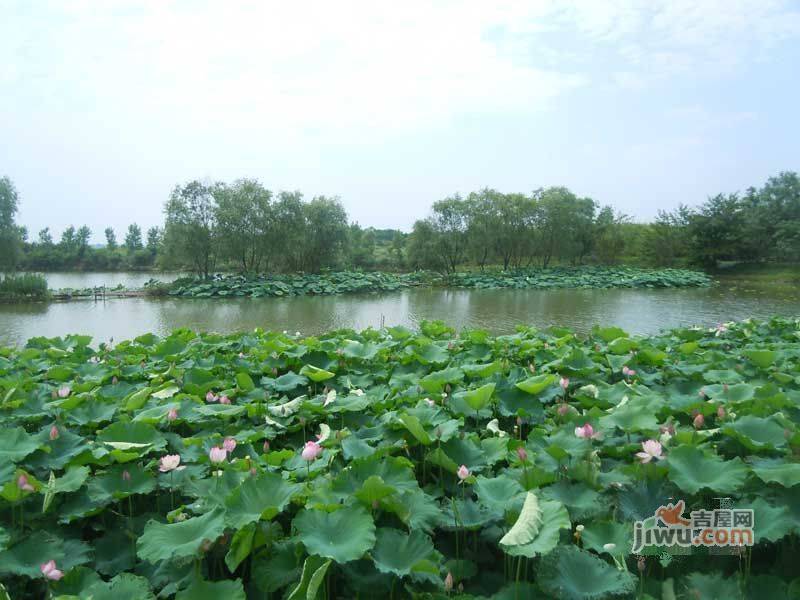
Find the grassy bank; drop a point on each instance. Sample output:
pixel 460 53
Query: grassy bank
pixel 22 287
pixel 395 463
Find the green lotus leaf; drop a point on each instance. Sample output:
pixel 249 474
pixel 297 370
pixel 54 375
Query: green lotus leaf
pixel 230 589
pixel 131 436
pixel 16 444
pixel 638 414
pixel 537 384
pixel 279 568
pixel 499 491
pixel 608 334
pixel 343 535
pixel 481 397
pixel 161 541
pixel 374 490
pixel 417 510
pixel 245 382
pixel 220 410
pixel 761 358
pixel 573 574
pixel 362 351
pixel 314 570
pixel 24 557
pixel 416 429
pixel 137 399
pixel 692 469
pixel 710 586
pixel 166 392
pixel 121 481
pixel 398 553
pixel 777 470
pixel 527 525
pixel 770 522
pixel 599 533
pixel 581 501
pixel 316 374
pixel 554 518
pixel 757 432
pixel 125 586
pixel 434 383
pixel 261 497
pixel 287 382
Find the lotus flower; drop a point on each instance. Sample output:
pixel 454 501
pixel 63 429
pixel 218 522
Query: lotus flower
pixel 463 472
pixel 266 445
pixel 49 570
pixel 172 414
pixel 585 432
pixel 217 455
pixel 23 484
pixel 229 444
pixel 448 582
pixel 720 412
pixel 522 453
pixel 628 372
pixel 429 402
pixel 63 392
pixel 169 463
pixel 699 421
pixel 651 450
pixel 54 433
pixel 562 409
pixel 210 397
pixel 564 383
pixel 311 451
pixel 224 400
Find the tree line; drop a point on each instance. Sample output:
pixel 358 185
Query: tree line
pixel 244 226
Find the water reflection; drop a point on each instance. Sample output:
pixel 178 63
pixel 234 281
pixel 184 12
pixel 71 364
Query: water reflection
pixel 499 311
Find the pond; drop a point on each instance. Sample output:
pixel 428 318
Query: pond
pixel 499 311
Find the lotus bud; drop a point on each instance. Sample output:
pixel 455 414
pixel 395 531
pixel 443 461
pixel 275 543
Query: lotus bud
pixel 563 409
pixel 253 471
pixel 210 397
pixel 266 445
pixel 448 582
pixel 311 451
pixel 641 564
pixel 54 433
pixel 522 453
pixel 564 383
pixel 63 391
pixel 463 472
pixel 720 412
pixel 532 368
pixel 50 571
pixel 217 455
pixel 126 476
pixel 229 444
pixel 23 483
pixel 699 421
pixel 224 400
pixel 519 421
pixel 114 380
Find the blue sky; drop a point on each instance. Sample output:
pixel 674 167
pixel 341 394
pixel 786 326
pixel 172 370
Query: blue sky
pixel 643 105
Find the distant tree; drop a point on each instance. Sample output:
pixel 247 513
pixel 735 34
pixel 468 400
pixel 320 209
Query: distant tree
pixel 111 239
pixel 82 237
pixel 609 240
pixel 244 223
pixel 325 233
pixel 288 231
pixel 190 230
pixel 10 237
pixel 133 239
pixel 44 237
pixel 666 240
pixel 154 235
pixel 69 242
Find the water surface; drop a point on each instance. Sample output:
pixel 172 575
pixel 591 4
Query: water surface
pixel 499 311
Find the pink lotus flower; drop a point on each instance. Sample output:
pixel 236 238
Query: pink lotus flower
pixel 210 397
pixel 628 372
pixel 463 472
pixel 585 432
pixel 217 455
pixel 311 451
pixel 63 391
pixel 23 484
pixel 54 433
pixel 564 383
pixel 651 450
pixel 229 444
pixel 49 570
pixel 169 463
pixel 720 412
pixel 522 453
pixel 699 421
pixel 563 409
pixel 172 414
pixel 224 400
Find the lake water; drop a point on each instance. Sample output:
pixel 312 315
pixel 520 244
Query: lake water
pixel 500 311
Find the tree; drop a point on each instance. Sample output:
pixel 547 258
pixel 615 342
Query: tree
pixel 111 239
pixel 244 223
pixel 82 237
pixel 10 238
pixel 666 240
pixel 153 239
pixel 610 237
pixel 44 237
pixel 325 233
pixel 450 220
pixel 190 230
pixel 133 239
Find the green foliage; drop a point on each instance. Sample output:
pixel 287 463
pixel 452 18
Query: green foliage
pixel 383 506
pixel 23 285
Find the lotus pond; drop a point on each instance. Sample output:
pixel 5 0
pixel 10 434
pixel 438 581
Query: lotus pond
pixel 396 464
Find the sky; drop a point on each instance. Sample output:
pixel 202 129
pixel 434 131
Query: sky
pixel 106 105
